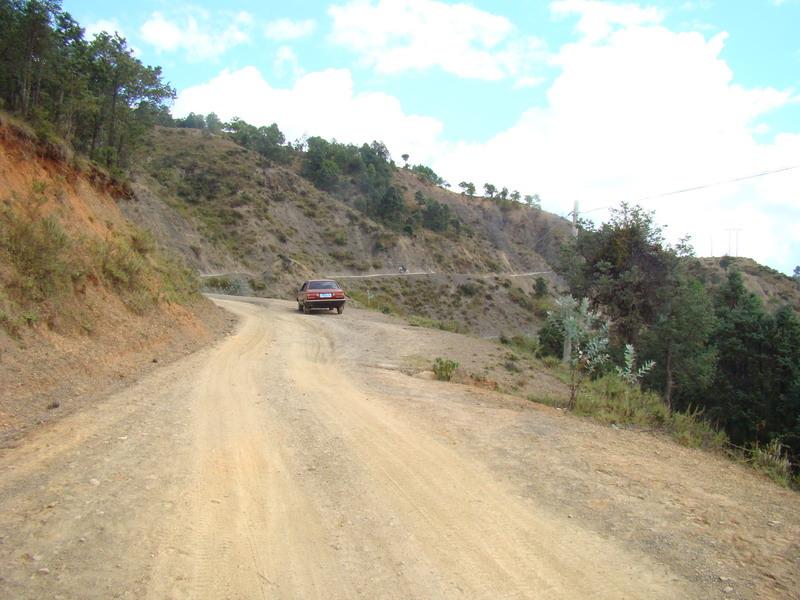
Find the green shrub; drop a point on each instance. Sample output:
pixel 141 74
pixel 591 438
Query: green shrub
pixel 142 242
pixel 40 250
pixel 451 326
pixel 520 298
pixel 258 286
pixel 179 283
pixel 551 340
pixel 540 288
pixel 542 306
pixel 611 400
pixel 521 343
pixel 120 265
pixel 468 289
pixel 223 284
pixel 773 461
pixel 444 368
pixel 551 362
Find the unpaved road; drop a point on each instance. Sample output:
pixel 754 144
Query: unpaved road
pixel 295 459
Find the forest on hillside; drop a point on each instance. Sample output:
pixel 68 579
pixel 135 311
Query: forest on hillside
pixel 718 352
pixel 94 94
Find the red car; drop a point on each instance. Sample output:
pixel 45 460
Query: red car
pixel 320 294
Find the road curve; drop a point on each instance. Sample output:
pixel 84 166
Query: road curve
pixel 281 463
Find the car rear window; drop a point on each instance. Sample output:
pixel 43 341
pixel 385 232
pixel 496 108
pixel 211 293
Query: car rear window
pixel 323 285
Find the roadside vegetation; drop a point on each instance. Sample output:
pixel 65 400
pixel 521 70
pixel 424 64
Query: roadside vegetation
pixel 444 368
pixel 717 356
pixel 47 270
pixel 95 95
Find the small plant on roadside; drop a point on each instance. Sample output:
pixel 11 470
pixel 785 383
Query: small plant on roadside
pixel 585 341
pixel 521 343
pixel 772 460
pixel 468 289
pixel 257 285
pixel 630 373
pixel 540 289
pixel 451 326
pixel 444 368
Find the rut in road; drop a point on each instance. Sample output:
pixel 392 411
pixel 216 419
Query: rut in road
pixel 272 466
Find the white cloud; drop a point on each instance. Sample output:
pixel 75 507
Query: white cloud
pixel 283 30
pixel 320 103
pixel 528 82
pixel 286 63
pixel 642 111
pixel 110 26
pixel 597 18
pixel 401 35
pixel 195 34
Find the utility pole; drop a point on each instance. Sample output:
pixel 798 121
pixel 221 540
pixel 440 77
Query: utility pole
pixel 575 220
pixel 733 231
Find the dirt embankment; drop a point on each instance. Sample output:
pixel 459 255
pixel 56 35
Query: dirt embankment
pixel 46 375
pixel 86 300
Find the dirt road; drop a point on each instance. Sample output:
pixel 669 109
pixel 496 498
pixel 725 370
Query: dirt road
pixel 295 459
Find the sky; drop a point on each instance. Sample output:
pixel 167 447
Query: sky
pixel 589 101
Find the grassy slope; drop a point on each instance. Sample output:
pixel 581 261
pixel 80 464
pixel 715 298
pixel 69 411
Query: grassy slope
pixel 229 211
pixel 773 287
pixel 86 297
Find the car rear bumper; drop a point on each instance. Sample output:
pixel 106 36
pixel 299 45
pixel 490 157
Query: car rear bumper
pixel 324 304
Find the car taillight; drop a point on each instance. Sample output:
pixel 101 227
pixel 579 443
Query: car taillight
pixel 312 296
pixel 339 295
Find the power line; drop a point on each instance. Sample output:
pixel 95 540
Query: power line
pixel 708 185
pixel 704 186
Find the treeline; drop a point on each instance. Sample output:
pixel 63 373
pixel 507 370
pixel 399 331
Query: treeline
pixel 502 197
pixel 92 93
pixel 269 142
pixel 339 167
pixel 717 351
pixel 332 166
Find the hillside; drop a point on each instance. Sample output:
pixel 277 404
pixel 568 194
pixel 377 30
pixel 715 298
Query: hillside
pixel 773 287
pixel 230 211
pixel 261 226
pixel 86 298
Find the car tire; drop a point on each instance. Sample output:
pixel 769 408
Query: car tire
pixel 339 310
pixel 299 307
pixel 306 310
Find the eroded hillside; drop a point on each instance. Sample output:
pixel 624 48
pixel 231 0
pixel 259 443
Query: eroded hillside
pixel 773 287
pixel 264 227
pixel 86 298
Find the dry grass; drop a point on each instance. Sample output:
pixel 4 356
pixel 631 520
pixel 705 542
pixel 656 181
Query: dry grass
pixel 45 269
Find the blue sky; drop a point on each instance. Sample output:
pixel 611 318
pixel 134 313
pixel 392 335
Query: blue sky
pixel 577 100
